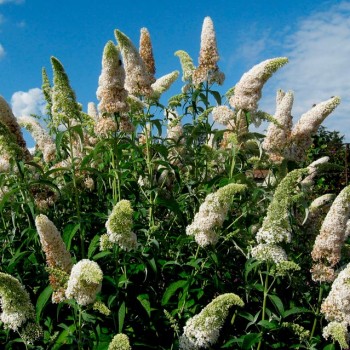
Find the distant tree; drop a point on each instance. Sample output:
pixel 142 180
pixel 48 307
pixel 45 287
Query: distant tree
pixel 331 144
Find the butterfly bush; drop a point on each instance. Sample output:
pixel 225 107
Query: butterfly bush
pixel 326 252
pixel 65 110
pixel 84 282
pixel 247 91
pixel 336 308
pixel 277 135
pixel 58 258
pixel 146 53
pixel 119 227
pixel 203 330
pixel 111 92
pixel 187 65
pixel 111 150
pixel 276 227
pixel 10 124
pixel 41 137
pixel 208 69
pixel 163 83
pixel 138 80
pixel 119 342
pixel 212 214
pixel 17 311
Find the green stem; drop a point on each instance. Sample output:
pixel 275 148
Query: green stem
pixel 79 328
pixel 193 273
pixel 319 300
pixel 266 291
pixel 76 194
pixel 148 138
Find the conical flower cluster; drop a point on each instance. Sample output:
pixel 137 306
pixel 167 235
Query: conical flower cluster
pixel 138 80
pixel 276 136
pixel 10 125
pixel 203 330
pixel 300 138
pixel 336 308
pixel 146 53
pixel 286 142
pixel 111 91
pixel 16 307
pixel 163 83
pixel 41 136
pixel 276 225
pixel 58 258
pixel 119 342
pixel 65 110
pixel 208 69
pixel 119 227
pixel 247 91
pixel 212 214
pixel 186 65
pixel 84 282
pixel 326 252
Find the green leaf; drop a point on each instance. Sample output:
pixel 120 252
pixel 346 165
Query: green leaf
pixel 296 310
pixel 249 266
pixel 63 337
pixel 93 245
pixel 267 324
pixel 101 255
pixel 69 233
pixel 58 140
pixel 216 95
pixel 277 302
pixel 121 316
pixel 143 299
pixel 42 300
pixel 171 290
pixel 250 339
pixel 329 347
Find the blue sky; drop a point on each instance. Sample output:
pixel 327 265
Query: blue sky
pixel 314 35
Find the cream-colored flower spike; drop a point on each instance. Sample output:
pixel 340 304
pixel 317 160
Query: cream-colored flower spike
pixel 16 306
pixel 41 136
pixel 203 330
pixel 111 92
pixel 336 309
pixel 119 342
pixel 307 125
pixel 186 64
pixel 146 52
pixel 84 282
pixel 247 91
pixel 212 214
pixel 163 83
pixel 208 69
pixel 51 241
pixel 138 80
pixel 326 252
pixel 92 111
pixel 10 121
pixel 277 135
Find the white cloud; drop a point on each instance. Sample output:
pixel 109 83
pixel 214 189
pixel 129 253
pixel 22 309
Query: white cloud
pixel 26 103
pixel 319 55
pixel 11 1
pixel 2 52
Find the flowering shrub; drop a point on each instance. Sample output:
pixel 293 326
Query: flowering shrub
pixel 141 224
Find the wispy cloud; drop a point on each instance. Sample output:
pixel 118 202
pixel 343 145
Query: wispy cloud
pixel 2 52
pixel 26 103
pixel 319 54
pixel 11 1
